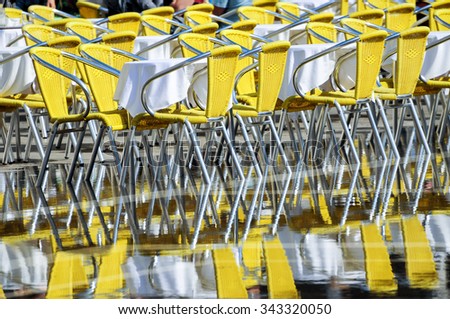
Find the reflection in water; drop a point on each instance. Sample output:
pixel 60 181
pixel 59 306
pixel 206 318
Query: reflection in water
pixel 336 230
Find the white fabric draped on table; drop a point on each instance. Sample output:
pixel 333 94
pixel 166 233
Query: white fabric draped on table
pixel 7 34
pixel 163 51
pixel 17 75
pixel 163 92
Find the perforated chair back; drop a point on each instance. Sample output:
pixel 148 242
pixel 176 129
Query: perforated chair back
pixel 246 85
pixel 43 11
pixel 246 25
pixel 102 84
pixel 193 18
pixel 444 15
pixel 432 11
pixel 40 32
pixel 221 74
pixel 369 51
pixel 13 13
pixel 128 21
pixel 410 53
pixel 272 62
pixel 325 17
pixel 61 24
pixel 82 28
pixel 208 29
pixel 315 30
pixel 123 40
pixel 374 16
pixel 88 10
pixel 164 11
pixel 201 7
pixel 355 25
pixel 190 42
pixel 400 17
pixel 157 25
pixel 254 13
pixel 266 4
pixel 285 8
pixel 379 4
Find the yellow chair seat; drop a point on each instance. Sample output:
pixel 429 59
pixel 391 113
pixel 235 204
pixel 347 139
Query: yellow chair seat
pixel 309 101
pixel 431 87
pixel 195 116
pixel 146 121
pixel 32 100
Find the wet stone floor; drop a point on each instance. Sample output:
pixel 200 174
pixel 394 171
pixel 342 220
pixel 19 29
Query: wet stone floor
pixel 333 229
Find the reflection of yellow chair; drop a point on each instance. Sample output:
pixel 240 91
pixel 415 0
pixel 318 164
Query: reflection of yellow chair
pixel 68 273
pixel 420 266
pixel 110 280
pixel 377 263
pixel 228 277
pixel 280 280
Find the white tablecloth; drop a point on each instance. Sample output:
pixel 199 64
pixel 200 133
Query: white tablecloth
pixel 315 73
pixel 7 35
pixel 163 51
pixel 17 75
pixel 163 92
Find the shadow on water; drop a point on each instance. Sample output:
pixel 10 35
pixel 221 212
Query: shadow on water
pixel 334 230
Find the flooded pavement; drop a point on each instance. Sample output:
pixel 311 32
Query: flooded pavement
pixel 380 229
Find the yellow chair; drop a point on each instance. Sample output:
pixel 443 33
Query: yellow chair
pixel 60 24
pixel 86 30
pixel 164 11
pixel 265 4
pixel 260 15
pixel 319 32
pixel 39 12
pixel 35 33
pixel 14 13
pixel 410 53
pixel 193 44
pixel 193 18
pixel 89 10
pixel 261 104
pixel 355 26
pixel 246 84
pixel 221 73
pixel 373 4
pixel 400 17
pixel 128 21
pixel 122 40
pixel 432 12
pixel 292 10
pixel 155 25
pixel 201 7
pixel 375 16
pixel 246 25
pixel 54 90
pixel 208 29
pixel 368 61
pixel 442 19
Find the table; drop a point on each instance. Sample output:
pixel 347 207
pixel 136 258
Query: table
pixel 263 29
pixel 11 31
pixel 317 72
pixel 163 51
pixel 163 92
pixel 16 76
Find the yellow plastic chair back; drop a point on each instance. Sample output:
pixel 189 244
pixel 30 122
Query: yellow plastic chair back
pixel 208 29
pixel 266 4
pixel 193 18
pixel 325 17
pixel 13 13
pixel 379 4
pixel 101 83
pixel 53 85
pixel 374 16
pixel 88 10
pixel 410 53
pixel 326 30
pixel 254 13
pixel 158 22
pixel 246 25
pixel 61 24
pixel 344 7
pixel 272 61
pixel 164 11
pixel 432 11
pixel 246 85
pixel 128 21
pixel 400 17
pixel 369 51
pixel 83 28
pixel 444 15
pixel 43 11
pixel 197 41
pixel 221 74
pixel 292 8
pixel 356 25
pixel 123 40
pixel 201 7
pixel 41 32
